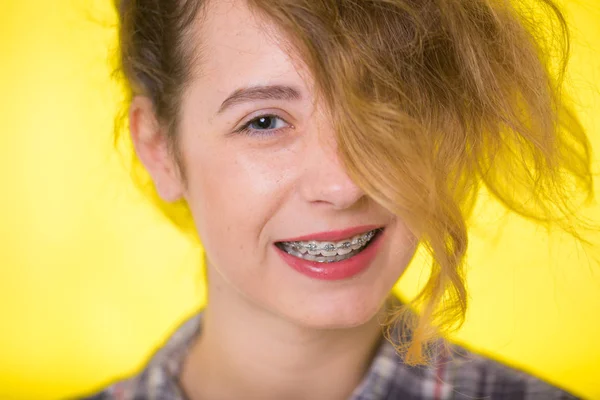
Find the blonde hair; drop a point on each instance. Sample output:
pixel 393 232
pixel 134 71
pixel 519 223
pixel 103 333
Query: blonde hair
pixel 431 100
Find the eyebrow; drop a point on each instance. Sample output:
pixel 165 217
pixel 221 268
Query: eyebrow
pixel 271 92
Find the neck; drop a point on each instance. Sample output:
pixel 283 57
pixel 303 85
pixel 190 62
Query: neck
pixel 246 352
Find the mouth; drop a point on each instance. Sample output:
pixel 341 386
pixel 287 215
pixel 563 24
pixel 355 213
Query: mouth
pixel 330 252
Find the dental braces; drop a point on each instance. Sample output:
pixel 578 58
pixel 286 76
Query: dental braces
pixel 331 247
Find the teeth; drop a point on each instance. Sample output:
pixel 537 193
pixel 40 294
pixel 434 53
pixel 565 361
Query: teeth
pixel 312 248
pixel 320 259
pixel 344 251
pixel 346 244
pixel 328 248
pixel 309 257
pixel 328 251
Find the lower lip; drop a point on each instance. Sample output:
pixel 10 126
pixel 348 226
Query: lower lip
pixel 335 271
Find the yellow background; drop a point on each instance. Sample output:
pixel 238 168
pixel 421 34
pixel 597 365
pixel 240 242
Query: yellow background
pixel 92 277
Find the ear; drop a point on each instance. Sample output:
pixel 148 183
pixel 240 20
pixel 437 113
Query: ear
pixel 151 147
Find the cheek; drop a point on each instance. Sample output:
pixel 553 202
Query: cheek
pixel 405 244
pixel 233 194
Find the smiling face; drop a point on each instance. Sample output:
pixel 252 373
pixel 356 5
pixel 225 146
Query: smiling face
pixel 260 159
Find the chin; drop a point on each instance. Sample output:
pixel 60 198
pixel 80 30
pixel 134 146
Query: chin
pixel 341 312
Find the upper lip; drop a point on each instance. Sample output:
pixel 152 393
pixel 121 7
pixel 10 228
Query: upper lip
pixel 334 236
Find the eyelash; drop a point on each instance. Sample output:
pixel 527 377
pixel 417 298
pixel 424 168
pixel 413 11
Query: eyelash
pixel 245 129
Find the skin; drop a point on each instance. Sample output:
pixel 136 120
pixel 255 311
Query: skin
pixel 269 332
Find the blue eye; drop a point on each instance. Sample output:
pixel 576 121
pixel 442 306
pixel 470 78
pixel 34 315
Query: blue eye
pixel 264 125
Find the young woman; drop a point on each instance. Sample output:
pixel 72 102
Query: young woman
pixel 317 143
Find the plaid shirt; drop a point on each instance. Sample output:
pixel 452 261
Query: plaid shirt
pixel 465 375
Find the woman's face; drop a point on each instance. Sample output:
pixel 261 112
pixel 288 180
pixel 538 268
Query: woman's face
pixel 260 158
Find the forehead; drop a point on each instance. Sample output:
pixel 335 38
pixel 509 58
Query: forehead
pixel 239 48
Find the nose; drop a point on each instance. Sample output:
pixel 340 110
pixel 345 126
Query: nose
pixel 324 179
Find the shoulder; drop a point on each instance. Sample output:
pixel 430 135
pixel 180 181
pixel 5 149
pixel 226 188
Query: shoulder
pixel 472 375
pixel 157 380
pixel 456 373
